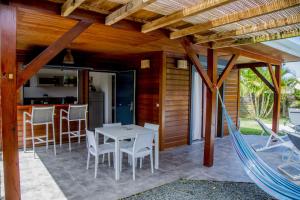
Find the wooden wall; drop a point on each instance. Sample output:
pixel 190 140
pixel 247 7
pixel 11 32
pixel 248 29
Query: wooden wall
pixel 231 96
pixel 176 103
pixel 147 89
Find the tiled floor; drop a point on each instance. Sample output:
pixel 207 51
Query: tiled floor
pixel 65 176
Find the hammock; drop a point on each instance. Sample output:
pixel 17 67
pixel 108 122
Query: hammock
pixel 263 175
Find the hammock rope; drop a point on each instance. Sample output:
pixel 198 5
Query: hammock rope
pixel 265 177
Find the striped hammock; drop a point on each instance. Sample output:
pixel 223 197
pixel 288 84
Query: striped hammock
pixel 265 177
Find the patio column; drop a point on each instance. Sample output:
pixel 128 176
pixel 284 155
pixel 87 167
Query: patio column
pixel 276 105
pixel 8 100
pixel 211 103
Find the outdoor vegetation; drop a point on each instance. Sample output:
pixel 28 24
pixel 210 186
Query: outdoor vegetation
pixel 257 98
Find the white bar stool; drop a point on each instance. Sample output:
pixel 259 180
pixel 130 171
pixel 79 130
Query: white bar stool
pixel 75 113
pixel 39 116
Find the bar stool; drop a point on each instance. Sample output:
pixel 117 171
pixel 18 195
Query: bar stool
pixel 75 113
pixel 39 116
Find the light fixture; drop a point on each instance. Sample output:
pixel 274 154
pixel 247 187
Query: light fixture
pixel 145 64
pixel 68 59
pixel 182 64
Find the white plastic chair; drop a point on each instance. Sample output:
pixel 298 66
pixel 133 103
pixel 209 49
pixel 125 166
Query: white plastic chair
pixel 142 147
pixel 39 116
pixel 96 150
pixel 281 141
pixel 105 139
pixel 294 116
pixel 75 113
pixel 155 128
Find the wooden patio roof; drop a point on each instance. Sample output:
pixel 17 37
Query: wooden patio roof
pixel 216 24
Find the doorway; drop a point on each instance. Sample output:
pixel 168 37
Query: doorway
pixel 111 98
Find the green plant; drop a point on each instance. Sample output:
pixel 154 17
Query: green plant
pixel 261 97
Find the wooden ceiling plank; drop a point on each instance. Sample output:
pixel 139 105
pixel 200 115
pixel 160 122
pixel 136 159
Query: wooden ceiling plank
pixel 276 23
pixel 227 69
pixel 188 46
pixel 69 6
pixel 50 52
pixel 258 39
pixel 268 8
pixel 126 10
pixel 186 12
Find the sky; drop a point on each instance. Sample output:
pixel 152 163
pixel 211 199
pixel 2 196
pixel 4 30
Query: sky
pixel 294 67
pixel 291 46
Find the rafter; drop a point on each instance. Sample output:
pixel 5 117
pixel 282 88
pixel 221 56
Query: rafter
pixel 273 77
pixel 126 10
pixel 50 52
pixel 227 69
pixel 188 46
pixel 186 12
pixel 268 8
pixel 251 65
pixel 259 75
pixel 276 23
pixel 258 39
pixel 69 6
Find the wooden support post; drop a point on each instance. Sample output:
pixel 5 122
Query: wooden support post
pixel 211 103
pixel 277 96
pixel 9 102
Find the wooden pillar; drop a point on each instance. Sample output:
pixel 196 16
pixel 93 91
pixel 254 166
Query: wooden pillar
pixel 276 105
pixel 9 102
pixel 211 103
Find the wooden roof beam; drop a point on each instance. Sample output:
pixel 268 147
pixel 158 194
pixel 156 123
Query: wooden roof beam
pixel 251 65
pixel 126 10
pixel 181 14
pixel 275 5
pixel 259 75
pixel 50 52
pixel 69 6
pixel 227 70
pixel 258 39
pixel 190 51
pixel 276 23
pixel 253 55
pixel 273 77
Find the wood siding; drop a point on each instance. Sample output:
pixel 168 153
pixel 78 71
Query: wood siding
pixel 147 90
pixel 176 104
pixel 231 95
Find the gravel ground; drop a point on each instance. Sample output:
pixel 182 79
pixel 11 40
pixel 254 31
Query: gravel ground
pixel 201 189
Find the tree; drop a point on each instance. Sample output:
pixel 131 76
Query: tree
pixel 260 96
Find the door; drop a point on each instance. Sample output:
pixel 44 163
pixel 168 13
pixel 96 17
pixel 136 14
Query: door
pixel 125 97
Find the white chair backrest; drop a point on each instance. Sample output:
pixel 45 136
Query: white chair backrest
pixel 42 115
pixel 153 127
pixel 91 141
pixel 294 115
pixel 112 125
pixel 77 112
pixel 143 141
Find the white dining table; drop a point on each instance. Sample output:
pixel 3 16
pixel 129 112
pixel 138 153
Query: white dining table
pixel 124 132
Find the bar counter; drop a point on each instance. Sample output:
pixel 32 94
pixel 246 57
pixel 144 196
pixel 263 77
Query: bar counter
pixel 41 129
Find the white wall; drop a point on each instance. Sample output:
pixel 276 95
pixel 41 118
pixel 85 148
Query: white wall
pixel 35 91
pixel 103 82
